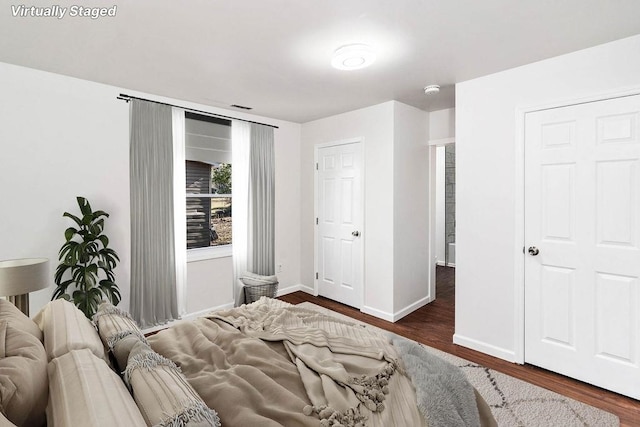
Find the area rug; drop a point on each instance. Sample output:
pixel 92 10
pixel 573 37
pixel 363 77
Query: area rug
pixel 515 402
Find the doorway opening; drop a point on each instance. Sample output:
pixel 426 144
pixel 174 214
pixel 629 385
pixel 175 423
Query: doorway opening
pixel 445 205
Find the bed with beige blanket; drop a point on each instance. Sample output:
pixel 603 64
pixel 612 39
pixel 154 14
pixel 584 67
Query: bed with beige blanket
pixel 264 364
pixel 271 363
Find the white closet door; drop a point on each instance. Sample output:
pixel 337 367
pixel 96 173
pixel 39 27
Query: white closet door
pixel 340 209
pixel 582 237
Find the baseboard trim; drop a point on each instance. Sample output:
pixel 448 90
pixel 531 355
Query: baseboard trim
pixel 442 264
pixel 187 317
pixel 485 348
pixel 394 317
pixel 201 313
pixel 288 290
pixel 377 313
pixel 411 308
pixel 295 288
pixel 309 289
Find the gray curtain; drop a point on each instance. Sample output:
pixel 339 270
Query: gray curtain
pixel 153 268
pixel 261 201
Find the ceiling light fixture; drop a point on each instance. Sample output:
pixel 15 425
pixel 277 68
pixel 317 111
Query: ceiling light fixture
pixel 353 57
pixel 431 89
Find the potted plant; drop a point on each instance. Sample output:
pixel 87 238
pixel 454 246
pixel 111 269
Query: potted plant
pixel 85 257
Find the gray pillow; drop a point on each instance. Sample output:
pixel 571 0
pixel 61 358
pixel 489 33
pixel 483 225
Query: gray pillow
pixel 18 319
pixel 23 376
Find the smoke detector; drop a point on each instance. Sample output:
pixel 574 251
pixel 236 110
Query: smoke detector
pixel 431 89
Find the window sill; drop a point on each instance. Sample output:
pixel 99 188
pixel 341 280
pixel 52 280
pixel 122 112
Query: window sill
pixel 213 252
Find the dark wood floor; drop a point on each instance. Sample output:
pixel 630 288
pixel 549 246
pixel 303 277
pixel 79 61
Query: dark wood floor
pixel 433 325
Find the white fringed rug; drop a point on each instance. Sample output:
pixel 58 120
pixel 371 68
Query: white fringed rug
pixel 515 402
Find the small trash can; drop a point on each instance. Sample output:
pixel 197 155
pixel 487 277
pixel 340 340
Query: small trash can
pixel 257 286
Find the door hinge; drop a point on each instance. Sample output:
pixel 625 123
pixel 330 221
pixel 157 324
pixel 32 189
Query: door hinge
pixel 316 166
pixel 316 276
pixel 316 221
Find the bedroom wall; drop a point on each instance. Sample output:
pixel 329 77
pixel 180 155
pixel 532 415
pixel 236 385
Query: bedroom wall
pixel 411 209
pixel 61 137
pixel 442 124
pixel 486 181
pixel 388 291
pixel 375 125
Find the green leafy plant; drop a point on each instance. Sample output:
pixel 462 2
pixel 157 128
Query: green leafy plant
pixel 221 178
pixel 85 256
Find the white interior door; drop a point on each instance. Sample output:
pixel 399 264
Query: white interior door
pixel 339 223
pixel 582 242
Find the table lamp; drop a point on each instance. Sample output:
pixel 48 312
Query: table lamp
pixel 18 277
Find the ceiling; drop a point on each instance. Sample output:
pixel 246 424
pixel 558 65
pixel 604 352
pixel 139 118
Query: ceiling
pixel 274 55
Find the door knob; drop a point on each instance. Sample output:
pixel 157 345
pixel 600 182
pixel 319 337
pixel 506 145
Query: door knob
pixel 533 251
pixel 355 233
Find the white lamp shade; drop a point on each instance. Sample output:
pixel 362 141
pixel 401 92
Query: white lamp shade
pixel 21 276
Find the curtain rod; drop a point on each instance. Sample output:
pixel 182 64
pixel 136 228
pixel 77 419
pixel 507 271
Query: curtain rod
pixel 127 98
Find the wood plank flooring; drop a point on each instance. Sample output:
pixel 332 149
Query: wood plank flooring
pixel 433 325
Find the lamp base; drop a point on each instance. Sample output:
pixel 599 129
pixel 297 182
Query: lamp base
pixel 20 301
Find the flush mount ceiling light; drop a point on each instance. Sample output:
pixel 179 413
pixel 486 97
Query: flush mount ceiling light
pixel 431 89
pixel 353 57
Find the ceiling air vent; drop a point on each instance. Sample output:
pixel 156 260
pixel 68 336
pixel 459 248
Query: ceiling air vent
pixel 242 107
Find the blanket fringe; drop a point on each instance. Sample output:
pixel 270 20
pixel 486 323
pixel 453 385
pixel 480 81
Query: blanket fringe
pixel 113 339
pixel 148 361
pixel 371 392
pixel 111 310
pixel 329 417
pixel 374 389
pixel 192 411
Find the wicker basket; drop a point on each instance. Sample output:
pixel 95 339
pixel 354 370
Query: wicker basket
pixel 254 292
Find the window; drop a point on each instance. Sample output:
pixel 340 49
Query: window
pixel 208 181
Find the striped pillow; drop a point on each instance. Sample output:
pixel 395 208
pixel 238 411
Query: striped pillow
pixel 162 393
pixel 84 391
pixel 118 331
pixel 66 328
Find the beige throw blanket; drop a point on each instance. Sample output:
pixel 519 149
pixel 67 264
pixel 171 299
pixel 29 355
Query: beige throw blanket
pixel 271 363
pixel 274 364
pixel 348 371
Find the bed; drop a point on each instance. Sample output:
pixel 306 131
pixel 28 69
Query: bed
pixel 268 363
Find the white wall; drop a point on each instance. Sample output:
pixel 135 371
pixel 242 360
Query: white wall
pixel 396 202
pixel 61 137
pixel 411 209
pixel 375 125
pixel 486 108
pixel 442 124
